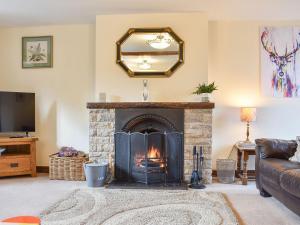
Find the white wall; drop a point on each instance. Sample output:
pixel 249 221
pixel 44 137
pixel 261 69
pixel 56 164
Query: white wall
pixel 234 59
pixel 61 91
pixel 110 77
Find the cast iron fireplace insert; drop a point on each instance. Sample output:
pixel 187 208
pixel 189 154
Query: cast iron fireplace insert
pixel 149 146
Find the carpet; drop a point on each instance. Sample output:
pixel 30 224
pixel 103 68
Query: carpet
pixel 140 207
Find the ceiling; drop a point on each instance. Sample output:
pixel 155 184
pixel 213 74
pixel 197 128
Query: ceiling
pixel 46 12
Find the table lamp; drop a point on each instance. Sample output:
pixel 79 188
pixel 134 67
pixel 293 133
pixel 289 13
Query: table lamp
pixel 248 114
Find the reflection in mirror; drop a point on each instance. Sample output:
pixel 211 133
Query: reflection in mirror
pixel 150 51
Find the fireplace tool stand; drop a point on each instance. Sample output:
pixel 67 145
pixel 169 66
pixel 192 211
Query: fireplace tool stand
pixel 197 177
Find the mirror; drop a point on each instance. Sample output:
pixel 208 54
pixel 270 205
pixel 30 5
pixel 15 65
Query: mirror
pixel 150 52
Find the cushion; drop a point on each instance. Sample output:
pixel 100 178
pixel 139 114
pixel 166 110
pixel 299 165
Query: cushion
pixel 276 148
pixel 23 220
pixel 290 181
pixel 271 169
pixel 296 157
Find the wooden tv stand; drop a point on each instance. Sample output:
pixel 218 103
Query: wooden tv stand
pixel 19 157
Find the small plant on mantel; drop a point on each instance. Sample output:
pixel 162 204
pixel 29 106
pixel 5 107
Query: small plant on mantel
pixel 205 90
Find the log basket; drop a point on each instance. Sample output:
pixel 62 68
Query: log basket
pixel 67 168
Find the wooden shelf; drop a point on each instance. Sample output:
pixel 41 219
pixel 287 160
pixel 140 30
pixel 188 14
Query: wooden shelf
pixel 20 140
pixel 20 156
pixel 13 155
pixel 170 105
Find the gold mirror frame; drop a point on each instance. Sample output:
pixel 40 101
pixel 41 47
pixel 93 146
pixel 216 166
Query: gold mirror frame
pixel 167 73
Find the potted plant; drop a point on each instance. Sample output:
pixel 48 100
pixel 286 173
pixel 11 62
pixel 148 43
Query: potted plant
pixel 205 90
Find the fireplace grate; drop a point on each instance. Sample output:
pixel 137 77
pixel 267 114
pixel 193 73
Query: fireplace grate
pixel 149 158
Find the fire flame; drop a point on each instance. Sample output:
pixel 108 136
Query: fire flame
pixel 153 153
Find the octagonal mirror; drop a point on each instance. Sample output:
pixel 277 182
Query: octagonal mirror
pixel 150 52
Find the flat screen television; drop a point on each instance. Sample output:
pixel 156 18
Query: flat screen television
pixel 17 112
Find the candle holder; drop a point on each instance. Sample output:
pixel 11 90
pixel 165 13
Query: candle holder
pixel 145 91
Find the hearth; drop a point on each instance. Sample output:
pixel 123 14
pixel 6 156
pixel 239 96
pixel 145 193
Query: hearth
pixel 149 146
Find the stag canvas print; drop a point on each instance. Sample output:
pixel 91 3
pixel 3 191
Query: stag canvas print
pixel 280 61
pixel 37 52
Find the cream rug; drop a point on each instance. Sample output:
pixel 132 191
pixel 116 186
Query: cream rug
pixel 140 207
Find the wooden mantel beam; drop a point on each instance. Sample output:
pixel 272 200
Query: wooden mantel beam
pixel 171 105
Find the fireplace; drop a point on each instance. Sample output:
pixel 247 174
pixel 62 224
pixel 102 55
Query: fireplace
pixel 193 119
pixel 149 146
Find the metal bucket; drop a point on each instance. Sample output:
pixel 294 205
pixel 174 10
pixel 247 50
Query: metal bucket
pixel 96 174
pixel 226 170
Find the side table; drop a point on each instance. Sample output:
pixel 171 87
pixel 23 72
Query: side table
pixel 243 154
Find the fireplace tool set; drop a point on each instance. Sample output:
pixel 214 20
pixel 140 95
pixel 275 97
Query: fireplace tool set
pixel 197 177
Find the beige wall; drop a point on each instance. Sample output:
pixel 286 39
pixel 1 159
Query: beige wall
pixel 230 57
pixel 110 77
pixel 61 91
pixel 234 66
pixel 232 61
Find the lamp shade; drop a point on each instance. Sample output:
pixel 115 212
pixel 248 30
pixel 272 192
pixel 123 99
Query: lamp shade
pixel 248 114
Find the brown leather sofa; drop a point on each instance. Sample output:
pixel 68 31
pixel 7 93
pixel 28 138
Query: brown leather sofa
pixel 275 175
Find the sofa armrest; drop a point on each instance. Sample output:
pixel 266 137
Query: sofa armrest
pixel 272 148
pixel 257 160
pixel 276 148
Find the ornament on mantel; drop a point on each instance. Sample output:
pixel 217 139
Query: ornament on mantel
pixel 145 91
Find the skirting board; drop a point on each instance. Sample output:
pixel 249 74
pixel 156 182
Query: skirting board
pixel 42 169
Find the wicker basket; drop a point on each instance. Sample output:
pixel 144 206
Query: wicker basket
pixel 66 168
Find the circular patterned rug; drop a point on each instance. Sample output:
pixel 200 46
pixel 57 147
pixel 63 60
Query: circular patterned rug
pixel 140 207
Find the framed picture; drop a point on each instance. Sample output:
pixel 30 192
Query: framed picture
pixel 37 52
pixel 280 61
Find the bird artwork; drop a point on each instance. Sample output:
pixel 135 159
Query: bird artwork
pixel 36 53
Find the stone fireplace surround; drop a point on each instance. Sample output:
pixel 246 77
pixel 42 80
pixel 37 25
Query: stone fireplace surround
pixel 197 130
